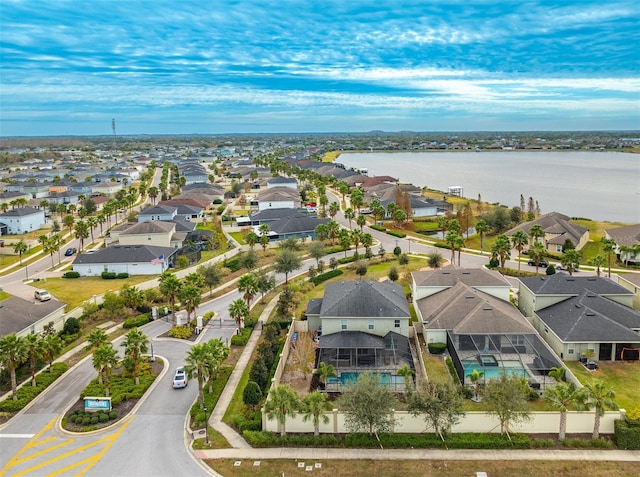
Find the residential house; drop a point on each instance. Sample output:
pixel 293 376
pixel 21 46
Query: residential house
pixel 9 197
pixel 158 212
pixel 278 198
pixel 21 220
pixel 281 181
pixel 557 229
pixel 66 197
pixel 158 233
pixel 627 241
pixel 631 281
pixel 24 317
pixel 581 315
pixel 131 259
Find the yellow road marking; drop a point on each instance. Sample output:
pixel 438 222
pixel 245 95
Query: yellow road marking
pixel 44 451
pixel 92 460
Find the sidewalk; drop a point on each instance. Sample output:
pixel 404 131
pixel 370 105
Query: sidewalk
pixel 420 454
pixel 235 439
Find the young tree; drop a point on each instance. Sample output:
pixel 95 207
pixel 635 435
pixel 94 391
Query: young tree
pixel 248 260
pixel 135 344
pixel 33 352
pixel 393 274
pixel 324 372
pixel 440 404
pixel 287 262
pixel 502 249
pixel 51 346
pixel 368 405
pixel 561 397
pixel 475 378
pixel 600 397
pixel 407 373
pixel 19 248
pixel 211 276
pixel 304 354
pixel 519 239
pixel 435 260
pixel 507 399
pixel 239 312
pixel 283 401
pixel 105 358
pixel 266 283
pixel 360 268
pixel 314 407
pixel 316 250
pixel 598 261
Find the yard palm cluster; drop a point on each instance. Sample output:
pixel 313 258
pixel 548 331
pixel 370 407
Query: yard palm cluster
pixel 203 364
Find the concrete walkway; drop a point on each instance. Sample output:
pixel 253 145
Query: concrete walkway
pixel 235 439
pixel 420 454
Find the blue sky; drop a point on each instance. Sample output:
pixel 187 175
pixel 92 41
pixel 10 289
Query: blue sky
pixel 209 67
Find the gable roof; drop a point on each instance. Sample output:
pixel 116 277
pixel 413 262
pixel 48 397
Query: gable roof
pixel 628 236
pixel 449 276
pixel 589 317
pixel 159 209
pixel 296 224
pixel 364 298
pixel 279 193
pixel 21 212
pixel 554 223
pixel 18 314
pixel 282 180
pixel 124 254
pixel 564 284
pixel 149 227
pixel 465 310
pixel 275 214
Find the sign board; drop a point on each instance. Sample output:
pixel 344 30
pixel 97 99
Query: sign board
pixel 92 404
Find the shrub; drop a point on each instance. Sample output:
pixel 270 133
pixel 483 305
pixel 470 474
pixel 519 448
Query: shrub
pixel 344 260
pixel 437 348
pixel 71 326
pixel 318 279
pixel 136 321
pixel 586 443
pixel 270 439
pixel 109 275
pixel 379 228
pixel 395 233
pixel 243 338
pixel 627 436
pixel 71 275
pixel 104 417
pixel 181 332
pixel 86 421
pixel 123 275
pixel 113 414
pixel 95 420
pixel 542 443
pixel 452 370
pixel 252 394
pixel 233 264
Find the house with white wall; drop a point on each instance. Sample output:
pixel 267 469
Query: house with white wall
pixel 22 220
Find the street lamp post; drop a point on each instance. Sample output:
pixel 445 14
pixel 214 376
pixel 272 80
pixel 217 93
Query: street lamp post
pixel 206 426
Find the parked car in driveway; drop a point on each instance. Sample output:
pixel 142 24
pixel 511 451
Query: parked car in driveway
pixel 543 263
pixel 42 295
pixel 180 379
pixel 70 251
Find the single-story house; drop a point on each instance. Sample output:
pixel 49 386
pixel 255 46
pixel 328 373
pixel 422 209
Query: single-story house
pixel 131 259
pixel 627 241
pixel 24 317
pixel 557 229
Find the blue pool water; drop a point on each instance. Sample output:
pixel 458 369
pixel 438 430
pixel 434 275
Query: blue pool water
pixel 491 372
pixel 350 377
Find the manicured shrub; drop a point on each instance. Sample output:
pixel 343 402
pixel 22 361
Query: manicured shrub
pixel 243 338
pixel 627 435
pixel 136 321
pixel 113 415
pixel 379 228
pixel 326 276
pixel 123 275
pixel 395 233
pixel 86 421
pixel 344 260
pixel 109 275
pixel 437 348
pixel 95 420
pixel 71 326
pixel 71 275
pixel 104 417
pixel 181 332
pixel 233 264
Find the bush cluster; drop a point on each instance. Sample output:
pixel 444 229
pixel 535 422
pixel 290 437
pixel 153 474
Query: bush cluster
pixel 437 348
pixel 627 435
pixel 587 443
pixel 27 393
pixel 120 388
pixel 233 264
pixel 269 439
pixel 452 441
pixel 379 228
pixel 395 233
pixel 71 275
pixel 344 260
pixel 326 276
pixel 136 321
pixel 181 332
pixel 81 418
pixel 114 275
pixel 243 338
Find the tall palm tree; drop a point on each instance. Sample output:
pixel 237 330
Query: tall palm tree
pixel 482 228
pixel 190 297
pixel 451 240
pixel 283 401
pixel 570 260
pixel 239 311
pixel 248 286
pixel 105 358
pixel 536 253
pixel 502 249
pixel 600 397
pixel 12 355
pixel 459 245
pixel 609 248
pixel 361 220
pixel 170 287
pixel 51 346
pixel 19 248
pixel 334 207
pixel 217 352
pixel 97 338
pixel 135 344
pixel 196 367
pixel 33 352
pixel 349 214
pixel 561 397
pixel 519 239
pixel 598 261
pixel 314 407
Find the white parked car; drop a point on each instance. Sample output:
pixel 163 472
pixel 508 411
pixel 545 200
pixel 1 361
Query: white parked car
pixel 180 379
pixel 42 295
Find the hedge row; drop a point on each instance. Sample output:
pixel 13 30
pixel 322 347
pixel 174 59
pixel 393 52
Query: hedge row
pixel 344 260
pixel 114 275
pixel 243 338
pixel 71 275
pixel 270 439
pixel 395 233
pixel 120 389
pixel 27 393
pixel 379 228
pixel 326 276
pixel 437 348
pixel 136 321
pixel 452 370
pixel 627 435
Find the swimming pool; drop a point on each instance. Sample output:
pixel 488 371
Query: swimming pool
pixel 513 368
pixel 350 377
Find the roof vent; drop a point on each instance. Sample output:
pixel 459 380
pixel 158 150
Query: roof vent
pixel 590 313
pixel 577 305
pixel 570 279
pixel 487 308
pixel 470 296
pixel 591 295
pixel 591 279
pixel 446 273
pixel 466 273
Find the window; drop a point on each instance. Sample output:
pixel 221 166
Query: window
pixel 559 248
pixel 396 323
pixel 518 340
pixel 343 324
pixel 371 325
pixel 571 350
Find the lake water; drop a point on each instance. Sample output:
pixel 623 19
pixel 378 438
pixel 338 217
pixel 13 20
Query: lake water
pixel 595 185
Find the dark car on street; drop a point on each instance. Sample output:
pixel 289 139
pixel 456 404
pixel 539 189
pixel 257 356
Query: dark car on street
pixel 70 251
pixel 543 263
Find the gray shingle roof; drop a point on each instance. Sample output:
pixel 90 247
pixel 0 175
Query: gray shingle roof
pixel 351 340
pixel 364 298
pixel 629 235
pixel 448 277
pixel 279 194
pixel 158 210
pixel 589 317
pixel 563 284
pixel 292 225
pixel 150 227
pixel 21 212
pixel 125 254
pixel 17 314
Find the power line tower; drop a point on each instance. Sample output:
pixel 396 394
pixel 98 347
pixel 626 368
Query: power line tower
pixel 113 128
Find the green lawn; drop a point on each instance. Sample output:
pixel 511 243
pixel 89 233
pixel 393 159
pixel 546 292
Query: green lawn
pixel 75 291
pixel 623 377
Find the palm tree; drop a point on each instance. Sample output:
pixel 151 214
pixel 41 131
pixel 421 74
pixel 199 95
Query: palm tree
pixel 97 338
pixel 536 232
pixel 570 260
pixel 190 297
pixel 239 311
pixel 557 373
pixel 170 287
pixel 82 232
pixel 451 240
pixel 482 228
pixel 51 346
pixel 92 222
pixel 536 253
pixel 345 240
pixel 283 401
pixel 459 245
pixel 407 373
pixel 197 368
pixel 334 207
pixel 361 220
pixel 609 248
pixel 367 242
pixel 333 229
pixel 248 285
pixel 598 261
pixel 502 249
pixel 217 352
pixel 325 371
pixel 105 358
pixel 475 378
pixel 314 407
pixel 135 344
pixel 19 248
pixel 349 214
pixel 33 352
pixel 601 397
pixel 561 397
pixel 152 192
pixel 519 239
pixel 12 355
